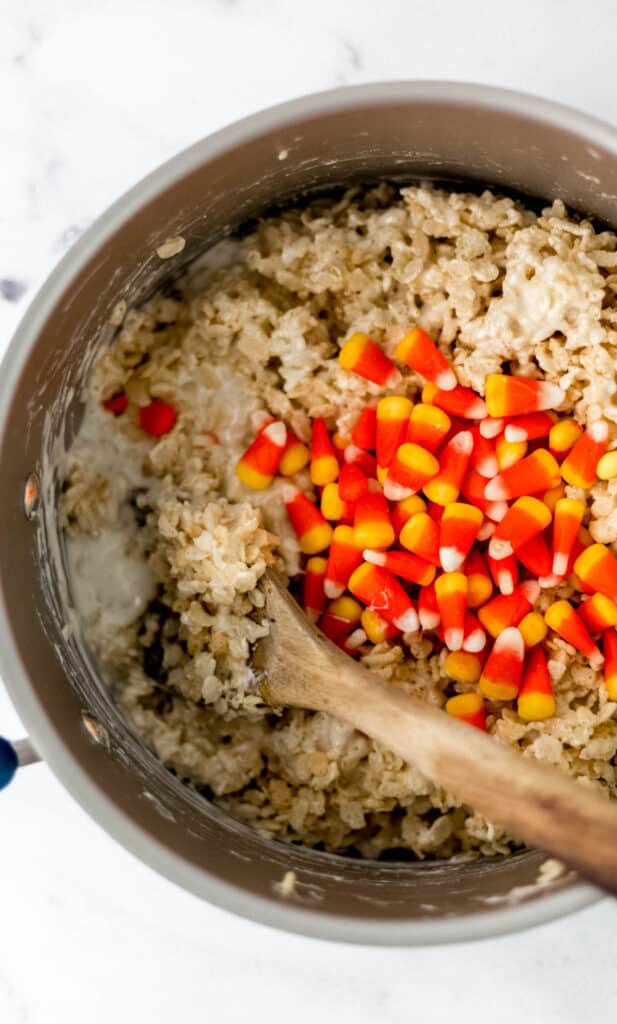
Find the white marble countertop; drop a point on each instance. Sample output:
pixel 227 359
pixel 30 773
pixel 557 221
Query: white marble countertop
pixel 94 95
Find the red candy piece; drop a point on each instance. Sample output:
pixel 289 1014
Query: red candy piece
pixel 157 418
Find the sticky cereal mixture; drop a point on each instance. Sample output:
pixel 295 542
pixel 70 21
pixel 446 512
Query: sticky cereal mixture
pixel 167 543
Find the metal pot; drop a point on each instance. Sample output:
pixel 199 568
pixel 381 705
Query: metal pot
pixel 401 131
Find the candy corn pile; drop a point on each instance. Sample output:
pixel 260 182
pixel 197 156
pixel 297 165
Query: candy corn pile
pixel 449 516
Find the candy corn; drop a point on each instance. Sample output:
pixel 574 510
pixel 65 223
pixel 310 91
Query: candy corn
pixel 428 609
pixel 313 532
pixel 352 482
pixel 596 567
pixel 459 401
pixel 533 629
pixel 363 357
pixel 483 455
pixel 332 505
pixel 580 465
pixel 392 419
pixel 344 556
pixel 313 593
pixel 463 667
pixel 377 629
pixel 428 426
pixel 372 526
pixel 458 530
pixel 563 435
pixel 567 521
pixel 607 466
pixel 491 427
pixel 537 557
pixel 380 590
pixel 451 593
pixel 453 462
pixel 351 643
pixel 479 582
pixel 501 675
pixel 505 572
pixel 435 511
pixel 568 624
pixel 517 396
pixel 340 617
pixel 364 434
pixel 410 469
pixel 550 498
pixel 474 637
pixel 354 456
pixel 401 563
pixel 525 519
pixel 404 510
pixel 295 455
pixel 487 530
pixel 324 463
pixel 420 534
pixel 420 353
pixel 535 698
pixel 256 468
pixel 609 645
pixel 467 707
pixel 537 472
pixel 508 453
pixel 530 427
pixel 508 610
pixel 598 613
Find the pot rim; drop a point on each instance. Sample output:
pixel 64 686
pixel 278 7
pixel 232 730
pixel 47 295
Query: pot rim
pixel 74 777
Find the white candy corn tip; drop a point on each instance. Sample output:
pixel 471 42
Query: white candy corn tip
pixel 549 396
pixel 374 557
pixel 495 489
pixel 476 410
pixel 454 639
pixel 499 548
pixel 486 530
pixel 277 433
pixel 332 590
pixel 446 380
pixel 463 442
pixel 530 590
pixel 475 641
pixel 491 427
pixel 289 492
pixel 408 622
pixel 355 640
pixel 451 559
pixel 496 510
pixel 487 467
pixel 396 492
pixel 510 640
pixel 598 431
pixel 514 434
pixel 352 452
pixel 546 582
pixel 428 619
pixel 505 583
pixel 560 564
pixel 596 658
pixel 394 379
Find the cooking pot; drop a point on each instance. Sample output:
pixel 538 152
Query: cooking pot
pixel 405 131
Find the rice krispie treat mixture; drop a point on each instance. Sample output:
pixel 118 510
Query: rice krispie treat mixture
pixel 167 547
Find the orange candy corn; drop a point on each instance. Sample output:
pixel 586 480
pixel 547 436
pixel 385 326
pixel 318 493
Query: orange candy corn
pixel 324 463
pixel 479 582
pixel 596 568
pixel 609 646
pixel 567 623
pixel 420 535
pixel 501 675
pixel 458 530
pixel 533 629
pixel 313 593
pixel 435 511
pixel 428 426
pixel 537 557
pixel 517 396
pixel 340 617
pixel 460 401
pixel 598 613
pixel 364 434
pixel 528 428
pixel 332 505
pixel 474 637
pixel 392 419
pixel 525 519
pixel 537 472
pixel 483 455
pixel 343 557
pixel 451 593
pixel 352 482
pixel 363 357
pixel 508 453
pixel 536 701
pixel 473 487
pixel 410 469
pixel 402 563
pixel 313 532
pixel 372 525
pixel 504 572
pixel 295 455
pixel 421 354
pixel 508 610
pixel 580 465
pixel 381 591
pixel 256 468
pixel 568 517
pixel 491 427
pixel 467 707
pixel 463 667
pixel 453 462
pixel 428 609
pixel 402 512
pixel 563 435
pixel 377 629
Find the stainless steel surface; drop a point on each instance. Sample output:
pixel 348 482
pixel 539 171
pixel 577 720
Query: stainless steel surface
pixel 397 130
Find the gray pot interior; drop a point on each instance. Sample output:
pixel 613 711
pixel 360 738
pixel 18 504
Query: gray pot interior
pixel 407 132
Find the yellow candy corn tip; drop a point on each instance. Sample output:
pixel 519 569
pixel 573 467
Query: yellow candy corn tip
pixel 533 629
pixel 324 470
pixel 463 668
pixel 564 435
pixel 346 608
pixel 557 614
pixel 352 350
pixel 382 472
pixel 428 393
pixel 497 691
pixel 588 559
pixel 294 460
pixel 373 535
pixel 394 407
pixel 536 707
pixel 252 478
pixel 451 583
pixel 316 539
pixel 607 466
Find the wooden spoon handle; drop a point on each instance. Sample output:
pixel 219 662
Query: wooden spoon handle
pixel 532 801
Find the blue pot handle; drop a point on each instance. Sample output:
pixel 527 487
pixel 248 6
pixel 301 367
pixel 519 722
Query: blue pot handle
pixel 14 756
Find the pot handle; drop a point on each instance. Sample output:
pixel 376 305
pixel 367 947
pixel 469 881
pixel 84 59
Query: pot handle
pixel 13 756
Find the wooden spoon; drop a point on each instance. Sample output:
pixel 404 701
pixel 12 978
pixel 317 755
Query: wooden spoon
pixel 532 801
